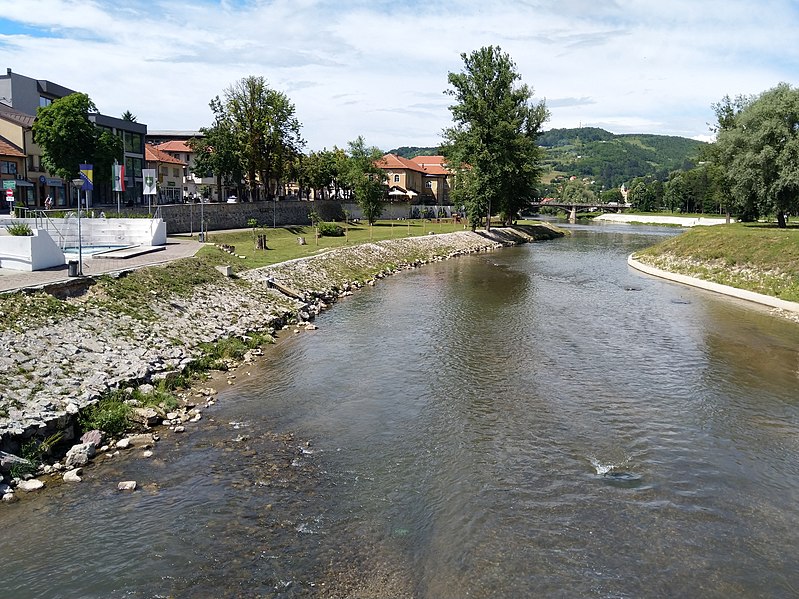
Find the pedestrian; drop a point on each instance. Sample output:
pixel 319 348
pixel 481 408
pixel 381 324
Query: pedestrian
pixel 48 203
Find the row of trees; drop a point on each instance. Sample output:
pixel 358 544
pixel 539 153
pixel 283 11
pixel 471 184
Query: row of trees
pixel 255 137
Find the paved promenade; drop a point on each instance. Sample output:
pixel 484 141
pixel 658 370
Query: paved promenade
pixel 176 247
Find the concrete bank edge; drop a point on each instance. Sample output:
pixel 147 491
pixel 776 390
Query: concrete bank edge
pixel 751 296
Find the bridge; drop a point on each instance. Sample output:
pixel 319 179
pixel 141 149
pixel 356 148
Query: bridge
pixel 572 207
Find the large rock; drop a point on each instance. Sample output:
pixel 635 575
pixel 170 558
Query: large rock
pixel 79 455
pixel 73 476
pixel 33 484
pixel 127 485
pixel 145 416
pixel 94 436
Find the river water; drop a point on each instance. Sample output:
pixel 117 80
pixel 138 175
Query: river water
pixel 539 421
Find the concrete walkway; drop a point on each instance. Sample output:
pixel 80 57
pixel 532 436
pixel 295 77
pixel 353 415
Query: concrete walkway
pixel 176 247
pixel 751 296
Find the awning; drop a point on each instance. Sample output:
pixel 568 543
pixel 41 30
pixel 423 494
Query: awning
pixel 21 183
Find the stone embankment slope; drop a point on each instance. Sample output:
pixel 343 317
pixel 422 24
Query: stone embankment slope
pixel 53 366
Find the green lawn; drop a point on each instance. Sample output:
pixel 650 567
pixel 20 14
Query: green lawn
pixel 283 245
pixel 758 257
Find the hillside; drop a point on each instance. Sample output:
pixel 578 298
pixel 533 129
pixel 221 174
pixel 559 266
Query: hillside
pixel 413 151
pixel 612 159
pixel 606 157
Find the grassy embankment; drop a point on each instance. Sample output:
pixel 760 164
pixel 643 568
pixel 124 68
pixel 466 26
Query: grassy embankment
pixel 756 257
pixel 283 245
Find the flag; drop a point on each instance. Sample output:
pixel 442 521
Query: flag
pixel 87 174
pixel 149 181
pixel 119 177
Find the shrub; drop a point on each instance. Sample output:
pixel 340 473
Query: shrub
pixel 108 415
pixel 331 230
pixel 19 229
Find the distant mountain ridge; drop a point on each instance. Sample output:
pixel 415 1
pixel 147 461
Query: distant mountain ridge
pixel 612 159
pixel 608 158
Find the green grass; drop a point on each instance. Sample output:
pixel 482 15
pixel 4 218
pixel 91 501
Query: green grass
pixel 757 257
pixel 283 245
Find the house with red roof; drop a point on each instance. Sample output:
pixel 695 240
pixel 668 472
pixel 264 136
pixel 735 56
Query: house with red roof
pixel 419 180
pixel 170 172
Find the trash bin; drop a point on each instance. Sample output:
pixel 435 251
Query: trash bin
pixel 73 268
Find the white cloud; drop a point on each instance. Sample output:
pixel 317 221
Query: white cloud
pixel 380 68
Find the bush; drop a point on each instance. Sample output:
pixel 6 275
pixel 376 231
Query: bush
pixel 19 229
pixel 331 230
pixel 108 415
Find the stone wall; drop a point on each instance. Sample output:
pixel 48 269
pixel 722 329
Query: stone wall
pixel 185 218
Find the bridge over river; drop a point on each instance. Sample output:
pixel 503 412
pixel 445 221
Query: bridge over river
pixel 572 207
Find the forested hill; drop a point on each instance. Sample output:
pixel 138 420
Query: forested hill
pixel 606 157
pixel 413 151
pixel 612 159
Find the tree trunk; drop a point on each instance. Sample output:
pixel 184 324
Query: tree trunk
pixel 781 222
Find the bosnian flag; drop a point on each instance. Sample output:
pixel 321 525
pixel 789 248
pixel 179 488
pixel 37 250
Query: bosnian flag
pixel 119 177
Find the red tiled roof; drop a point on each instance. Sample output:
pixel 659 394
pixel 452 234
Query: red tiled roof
pixel 432 165
pixel 174 146
pixel 9 149
pixel 392 161
pixel 153 154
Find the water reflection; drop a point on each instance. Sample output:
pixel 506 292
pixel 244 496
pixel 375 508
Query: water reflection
pixel 509 424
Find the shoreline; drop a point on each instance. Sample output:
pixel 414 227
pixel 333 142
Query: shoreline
pixel 46 389
pixel 654 219
pixel 759 298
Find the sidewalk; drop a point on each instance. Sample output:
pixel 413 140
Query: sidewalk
pixel 176 247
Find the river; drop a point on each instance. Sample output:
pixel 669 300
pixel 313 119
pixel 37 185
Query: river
pixel 539 421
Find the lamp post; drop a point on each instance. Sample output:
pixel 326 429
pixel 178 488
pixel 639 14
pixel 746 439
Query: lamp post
pixel 78 183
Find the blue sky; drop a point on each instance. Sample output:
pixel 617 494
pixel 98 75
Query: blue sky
pixel 379 69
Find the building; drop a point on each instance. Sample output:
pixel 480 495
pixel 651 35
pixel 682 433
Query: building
pixel 12 162
pixel 20 98
pixel 421 180
pixel 170 173
pixel 194 184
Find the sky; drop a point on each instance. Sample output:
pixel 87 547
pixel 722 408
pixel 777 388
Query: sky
pixel 378 68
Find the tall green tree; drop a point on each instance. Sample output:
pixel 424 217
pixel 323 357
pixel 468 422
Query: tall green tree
pixel 215 153
pixel 265 128
pixel 757 149
pixel 496 126
pixel 68 138
pixel 365 178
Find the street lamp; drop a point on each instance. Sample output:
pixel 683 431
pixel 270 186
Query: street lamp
pixel 78 183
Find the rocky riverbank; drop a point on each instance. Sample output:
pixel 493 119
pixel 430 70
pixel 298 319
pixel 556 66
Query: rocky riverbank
pixel 57 362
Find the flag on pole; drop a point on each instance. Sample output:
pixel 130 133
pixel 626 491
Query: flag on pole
pixel 87 174
pixel 119 177
pixel 149 181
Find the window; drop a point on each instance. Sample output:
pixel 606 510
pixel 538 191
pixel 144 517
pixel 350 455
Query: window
pixel 44 101
pixel 428 184
pixel 136 143
pixel 176 172
pixel 8 168
pixel 396 178
pixel 137 167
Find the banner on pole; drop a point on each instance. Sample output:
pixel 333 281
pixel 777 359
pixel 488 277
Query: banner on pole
pixel 119 177
pixel 87 174
pixel 149 181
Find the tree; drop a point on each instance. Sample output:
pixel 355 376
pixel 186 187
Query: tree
pixel 68 138
pixel 215 152
pixel 129 116
pixel 496 126
pixel 578 192
pixel 757 150
pixel 366 179
pixel 266 132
